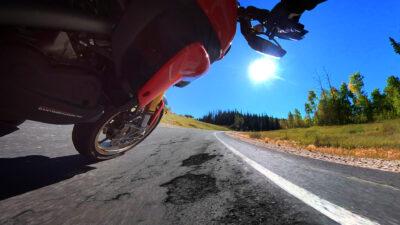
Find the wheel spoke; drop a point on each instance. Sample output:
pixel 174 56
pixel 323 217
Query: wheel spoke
pixel 102 141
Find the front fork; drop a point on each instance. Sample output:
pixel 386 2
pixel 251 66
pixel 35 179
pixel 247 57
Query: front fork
pixel 153 111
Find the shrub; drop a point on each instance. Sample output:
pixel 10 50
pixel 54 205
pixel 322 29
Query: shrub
pixel 255 135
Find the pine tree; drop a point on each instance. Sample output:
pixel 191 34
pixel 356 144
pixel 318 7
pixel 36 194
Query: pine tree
pixel 334 106
pixel 395 44
pixel 392 91
pixel 381 106
pixel 290 120
pixel 344 109
pixel 238 122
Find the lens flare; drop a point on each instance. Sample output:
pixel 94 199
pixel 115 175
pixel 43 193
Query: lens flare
pixel 263 70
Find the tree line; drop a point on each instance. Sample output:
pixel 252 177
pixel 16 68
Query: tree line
pixel 242 121
pixel 349 103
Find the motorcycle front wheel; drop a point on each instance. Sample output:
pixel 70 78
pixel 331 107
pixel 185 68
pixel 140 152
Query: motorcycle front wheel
pixel 112 135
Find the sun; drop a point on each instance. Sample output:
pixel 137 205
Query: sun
pixel 263 70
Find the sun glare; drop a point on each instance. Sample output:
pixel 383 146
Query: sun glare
pixel 263 70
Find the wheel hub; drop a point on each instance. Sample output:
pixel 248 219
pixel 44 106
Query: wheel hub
pixel 121 132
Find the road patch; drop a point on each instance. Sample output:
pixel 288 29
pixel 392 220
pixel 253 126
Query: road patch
pixel 196 160
pixel 190 188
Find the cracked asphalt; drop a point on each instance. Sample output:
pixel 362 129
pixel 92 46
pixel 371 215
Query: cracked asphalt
pixel 176 176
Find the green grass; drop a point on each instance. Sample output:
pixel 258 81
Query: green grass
pixel 181 121
pixel 385 135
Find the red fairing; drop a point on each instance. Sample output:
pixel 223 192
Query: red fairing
pixel 191 61
pixel 223 16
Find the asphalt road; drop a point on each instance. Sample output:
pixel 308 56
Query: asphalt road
pixel 184 176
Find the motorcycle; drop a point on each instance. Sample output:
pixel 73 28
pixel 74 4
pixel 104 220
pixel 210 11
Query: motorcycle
pixel 104 65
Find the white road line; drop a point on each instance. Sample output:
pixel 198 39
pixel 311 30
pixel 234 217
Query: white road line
pixel 334 212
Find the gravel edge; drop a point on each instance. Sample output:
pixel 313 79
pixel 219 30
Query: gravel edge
pixel 377 164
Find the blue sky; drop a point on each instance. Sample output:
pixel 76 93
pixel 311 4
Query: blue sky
pixel 345 36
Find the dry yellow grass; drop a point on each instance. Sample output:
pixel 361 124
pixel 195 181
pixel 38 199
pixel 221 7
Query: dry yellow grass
pixel 181 121
pixel 375 140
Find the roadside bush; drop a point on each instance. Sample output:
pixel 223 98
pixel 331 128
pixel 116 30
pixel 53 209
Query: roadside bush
pixel 255 135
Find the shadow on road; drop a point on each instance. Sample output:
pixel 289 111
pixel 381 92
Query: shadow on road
pixel 23 174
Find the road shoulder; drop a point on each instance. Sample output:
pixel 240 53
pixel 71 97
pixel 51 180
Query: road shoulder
pixel 377 164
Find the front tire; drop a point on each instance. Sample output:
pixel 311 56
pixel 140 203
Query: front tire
pixel 85 137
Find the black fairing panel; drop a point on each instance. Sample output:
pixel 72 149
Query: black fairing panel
pixel 31 88
pixel 151 32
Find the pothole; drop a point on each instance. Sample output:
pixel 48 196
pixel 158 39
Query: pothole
pixel 198 159
pixel 190 188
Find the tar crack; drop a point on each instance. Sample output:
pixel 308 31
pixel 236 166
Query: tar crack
pixel 118 197
pixel 20 218
pixel 114 179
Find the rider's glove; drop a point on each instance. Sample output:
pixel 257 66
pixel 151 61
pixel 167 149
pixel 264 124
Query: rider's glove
pixel 285 18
